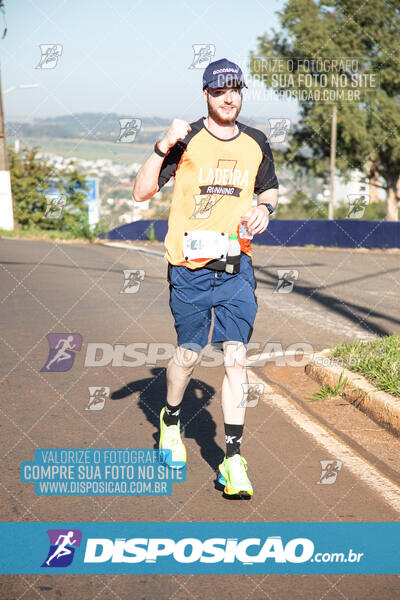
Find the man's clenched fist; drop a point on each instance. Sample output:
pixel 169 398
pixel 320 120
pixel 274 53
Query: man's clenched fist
pixel 177 131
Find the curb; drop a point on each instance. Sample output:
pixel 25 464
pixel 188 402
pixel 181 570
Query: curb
pixel 383 408
pixel 332 443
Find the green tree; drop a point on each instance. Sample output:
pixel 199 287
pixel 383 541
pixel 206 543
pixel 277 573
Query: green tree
pixel 367 130
pixel 31 180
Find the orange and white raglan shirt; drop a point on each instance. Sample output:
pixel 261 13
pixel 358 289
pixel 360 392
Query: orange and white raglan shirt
pixel 215 180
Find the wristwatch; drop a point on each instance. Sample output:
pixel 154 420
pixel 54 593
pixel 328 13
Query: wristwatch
pixel 158 151
pixel 268 205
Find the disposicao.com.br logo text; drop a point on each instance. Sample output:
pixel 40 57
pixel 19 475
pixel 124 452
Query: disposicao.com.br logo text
pixel 213 550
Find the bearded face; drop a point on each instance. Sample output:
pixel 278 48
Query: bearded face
pixel 224 104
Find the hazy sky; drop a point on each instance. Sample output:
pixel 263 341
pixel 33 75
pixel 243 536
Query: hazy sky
pixel 129 57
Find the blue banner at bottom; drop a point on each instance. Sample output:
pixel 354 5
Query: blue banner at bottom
pixel 199 548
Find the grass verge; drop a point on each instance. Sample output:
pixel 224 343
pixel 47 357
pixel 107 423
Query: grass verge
pixel 329 391
pixel 78 235
pixel 36 234
pixel 377 360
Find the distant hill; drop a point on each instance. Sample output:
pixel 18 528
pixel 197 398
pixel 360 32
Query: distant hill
pixel 90 126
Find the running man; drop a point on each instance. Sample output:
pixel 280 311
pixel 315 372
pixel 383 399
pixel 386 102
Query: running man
pixel 218 164
pixel 62 346
pixel 62 549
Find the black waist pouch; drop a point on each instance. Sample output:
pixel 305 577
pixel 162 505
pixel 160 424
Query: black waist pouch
pixel 213 265
pixel 218 265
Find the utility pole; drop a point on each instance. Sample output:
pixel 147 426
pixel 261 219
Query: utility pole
pixel 332 163
pixel 6 205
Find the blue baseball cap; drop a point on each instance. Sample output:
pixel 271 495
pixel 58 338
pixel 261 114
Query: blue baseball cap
pixel 223 73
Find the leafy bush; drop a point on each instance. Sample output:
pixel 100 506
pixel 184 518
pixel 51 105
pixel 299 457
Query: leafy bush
pixel 32 179
pixel 301 207
pixel 150 233
pixel 88 232
pixel 376 211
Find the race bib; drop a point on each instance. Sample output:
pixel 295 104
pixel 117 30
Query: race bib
pixel 205 244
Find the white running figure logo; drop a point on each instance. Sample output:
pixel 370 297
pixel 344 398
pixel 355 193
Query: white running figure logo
pixel 62 353
pixel 62 550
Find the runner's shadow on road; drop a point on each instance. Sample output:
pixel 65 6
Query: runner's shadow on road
pixel 360 315
pixel 197 422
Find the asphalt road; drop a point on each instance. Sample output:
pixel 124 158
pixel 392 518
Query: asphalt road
pixel 46 287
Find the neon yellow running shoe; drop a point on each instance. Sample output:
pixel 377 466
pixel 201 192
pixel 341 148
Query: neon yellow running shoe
pixel 170 439
pixel 232 474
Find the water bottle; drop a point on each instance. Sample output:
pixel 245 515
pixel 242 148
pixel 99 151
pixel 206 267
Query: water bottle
pixel 233 257
pixel 244 231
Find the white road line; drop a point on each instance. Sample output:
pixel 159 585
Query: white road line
pixel 358 466
pixel 137 248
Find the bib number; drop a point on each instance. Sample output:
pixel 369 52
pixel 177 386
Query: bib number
pixel 205 244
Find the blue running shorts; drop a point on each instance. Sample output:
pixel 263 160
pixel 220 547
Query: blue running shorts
pixel 194 292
